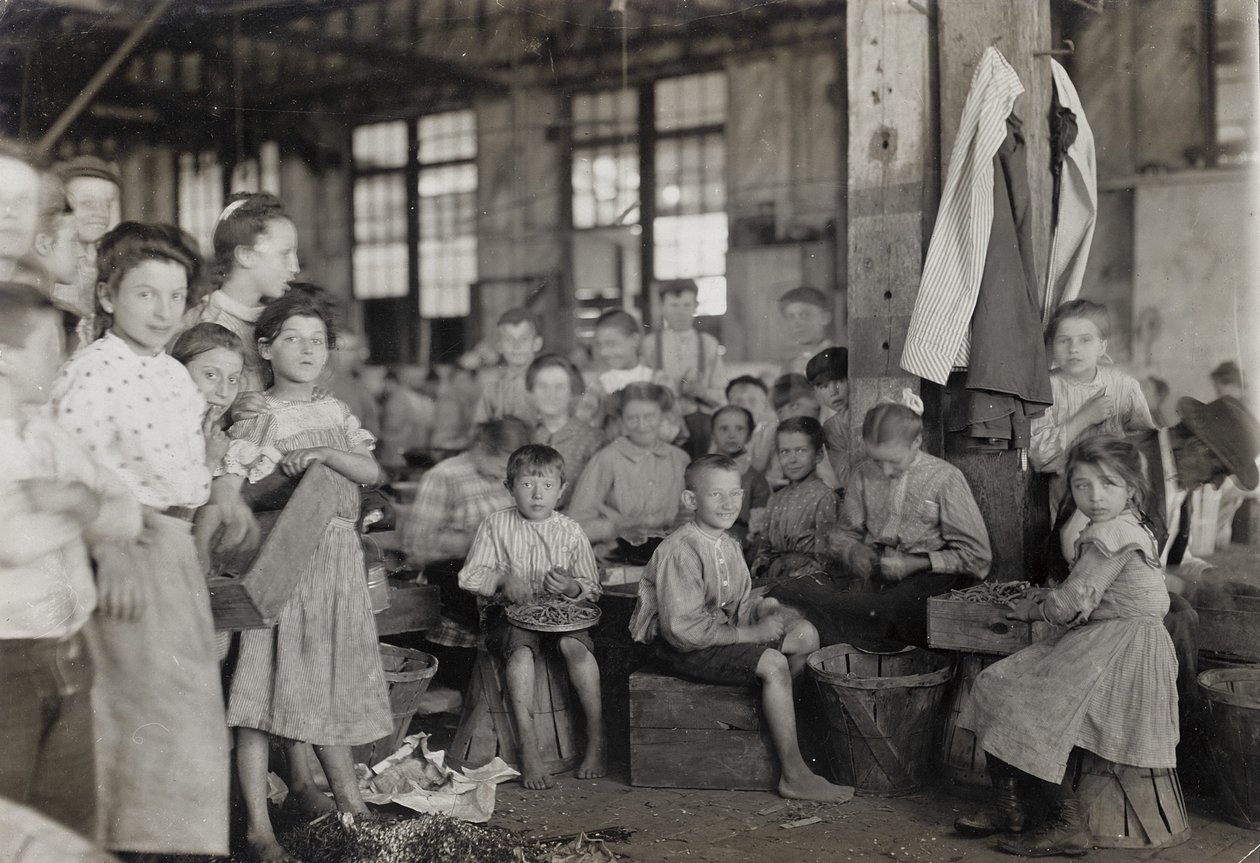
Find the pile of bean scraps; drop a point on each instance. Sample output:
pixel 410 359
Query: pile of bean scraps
pixel 436 839
pixel 993 592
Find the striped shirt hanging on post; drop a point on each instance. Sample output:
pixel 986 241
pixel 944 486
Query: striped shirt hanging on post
pixel 938 337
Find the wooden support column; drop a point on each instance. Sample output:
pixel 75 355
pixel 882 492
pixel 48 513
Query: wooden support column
pixel 1012 500
pixel 891 147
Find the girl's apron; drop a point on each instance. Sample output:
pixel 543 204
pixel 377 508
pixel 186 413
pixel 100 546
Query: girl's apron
pixel 162 743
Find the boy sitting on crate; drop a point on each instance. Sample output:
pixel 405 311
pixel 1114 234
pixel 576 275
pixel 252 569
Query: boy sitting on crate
pixel 696 604
pixel 519 555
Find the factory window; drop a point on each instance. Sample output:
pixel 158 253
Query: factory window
pixel 1235 63
pixel 447 188
pixel 675 129
pixel 415 241
pixel 379 260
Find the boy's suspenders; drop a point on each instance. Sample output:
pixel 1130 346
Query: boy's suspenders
pixel 660 352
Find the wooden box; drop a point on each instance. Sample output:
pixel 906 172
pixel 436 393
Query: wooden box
pixel 412 608
pixel 980 627
pixel 247 590
pixel 696 735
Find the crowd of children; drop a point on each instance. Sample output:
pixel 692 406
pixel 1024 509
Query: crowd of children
pixel 186 390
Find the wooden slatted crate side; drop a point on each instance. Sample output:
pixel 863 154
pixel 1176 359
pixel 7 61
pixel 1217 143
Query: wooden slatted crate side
pixel 658 701
pixel 701 758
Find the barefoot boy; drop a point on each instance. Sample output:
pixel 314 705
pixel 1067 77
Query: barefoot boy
pixel 520 555
pixel 696 604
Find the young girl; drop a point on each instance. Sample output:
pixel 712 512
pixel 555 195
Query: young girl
pixel 632 488
pixel 162 746
pixel 801 515
pixel 1091 397
pixel 618 337
pixel 1108 685
pixel 554 385
pixel 731 430
pixel 215 359
pixel 255 258
pixel 316 675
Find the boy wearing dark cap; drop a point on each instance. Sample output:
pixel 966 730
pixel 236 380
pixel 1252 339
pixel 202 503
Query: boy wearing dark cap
pixel 828 372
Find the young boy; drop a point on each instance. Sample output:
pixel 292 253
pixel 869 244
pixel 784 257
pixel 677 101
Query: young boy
pixel 732 429
pixel 20 186
pixel 807 313
pixel 799 516
pixel 93 189
pixel 752 394
pixel 691 359
pixel 697 607
pixel 618 337
pixel 518 342
pixel 53 499
pixel 518 556
pixel 792 396
pixel 828 373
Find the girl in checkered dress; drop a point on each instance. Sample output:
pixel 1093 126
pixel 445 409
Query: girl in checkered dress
pixel 1107 685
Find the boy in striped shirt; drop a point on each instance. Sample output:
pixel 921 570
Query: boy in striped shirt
pixel 521 555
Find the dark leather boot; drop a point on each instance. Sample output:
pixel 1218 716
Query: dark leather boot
pixel 1005 812
pixel 1066 837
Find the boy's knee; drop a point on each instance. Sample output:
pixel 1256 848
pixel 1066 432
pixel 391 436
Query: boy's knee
pixel 772 664
pixel 573 650
pixel 805 636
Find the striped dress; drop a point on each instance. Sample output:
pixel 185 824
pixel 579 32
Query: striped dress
pixel 316 675
pixel 1108 684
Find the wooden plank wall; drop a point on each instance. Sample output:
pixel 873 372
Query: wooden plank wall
pixel 891 147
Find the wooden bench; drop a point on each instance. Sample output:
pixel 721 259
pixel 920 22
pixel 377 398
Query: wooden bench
pixel 697 735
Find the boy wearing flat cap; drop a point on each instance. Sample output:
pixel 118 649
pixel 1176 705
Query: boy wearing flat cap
pixel 92 189
pixel 828 373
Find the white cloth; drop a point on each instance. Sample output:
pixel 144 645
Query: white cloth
pixel 938 338
pixel 139 417
pixel 1078 204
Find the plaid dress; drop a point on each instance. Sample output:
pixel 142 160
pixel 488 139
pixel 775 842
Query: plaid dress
pixel 1108 684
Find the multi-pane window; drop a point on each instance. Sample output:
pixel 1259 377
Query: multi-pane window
pixel 379 259
pixel 200 195
pixel 447 189
pixel 689 230
pixel 1236 61
pixel 688 156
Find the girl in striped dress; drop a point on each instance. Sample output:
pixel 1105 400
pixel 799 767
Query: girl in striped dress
pixel 316 675
pixel 1108 685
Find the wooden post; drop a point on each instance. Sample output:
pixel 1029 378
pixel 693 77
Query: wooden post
pixel 1011 499
pixel 891 146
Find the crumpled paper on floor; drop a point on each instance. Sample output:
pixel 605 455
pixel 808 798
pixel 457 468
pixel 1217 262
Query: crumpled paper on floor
pixel 421 780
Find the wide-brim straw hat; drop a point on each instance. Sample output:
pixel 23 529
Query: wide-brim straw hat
pixel 1230 431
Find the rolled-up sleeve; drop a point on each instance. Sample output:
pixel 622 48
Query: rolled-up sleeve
pixel 846 538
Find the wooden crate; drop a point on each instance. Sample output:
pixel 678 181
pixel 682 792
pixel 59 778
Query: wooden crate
pixel 248 590
pixel 696 735
pixel 412 608
pixel 980 627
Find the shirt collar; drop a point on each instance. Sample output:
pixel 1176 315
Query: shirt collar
pixel 235 307
pixel 636 453
pixel 714 540
pixel 118 346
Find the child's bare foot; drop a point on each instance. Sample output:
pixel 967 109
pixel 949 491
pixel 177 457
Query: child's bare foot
pixel 595 763
pixel 810 786
pixel 309 801
pixel 533 776
pixel 265 849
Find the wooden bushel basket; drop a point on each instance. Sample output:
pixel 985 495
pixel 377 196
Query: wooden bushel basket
pixel 962 758
pixel 487 727
pixel 408 674
pixel 1233 700
pixel 247 590
pixel 1131 807
pixel 882 711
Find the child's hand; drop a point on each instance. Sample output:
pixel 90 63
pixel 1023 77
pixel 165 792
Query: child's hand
pixel 71 498
pixel 865 561
pixel 296 462
pixel 560 580
pixel 120 596
pixel 247 405
pixel 1027 607
pixel 217 443
pixel 1098 408
pixel 770 628
pixel 765 607
pixel 896 565
pixel 517 590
